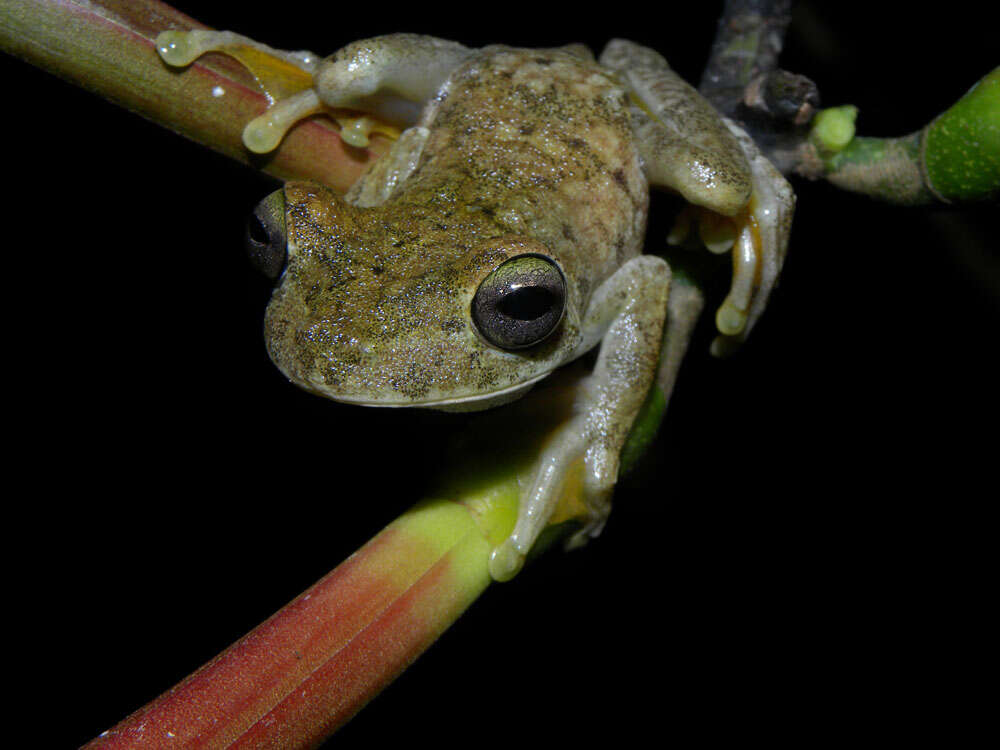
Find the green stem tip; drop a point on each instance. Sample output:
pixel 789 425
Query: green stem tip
pixel 954 159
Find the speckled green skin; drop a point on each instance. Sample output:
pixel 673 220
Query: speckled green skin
pixel 524 151
pixel 884 168
pixel 961 148
pixel 683 141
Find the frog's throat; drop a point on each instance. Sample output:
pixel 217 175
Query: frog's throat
pixel 475 402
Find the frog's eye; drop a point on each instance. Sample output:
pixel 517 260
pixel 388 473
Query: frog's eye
pixel 520 303
pixel 266 240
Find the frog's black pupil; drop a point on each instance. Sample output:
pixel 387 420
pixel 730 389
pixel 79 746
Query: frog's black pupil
pixel 257 231
pixel 527 303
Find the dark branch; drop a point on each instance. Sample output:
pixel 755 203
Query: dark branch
pixel 743 81
pixel 747 43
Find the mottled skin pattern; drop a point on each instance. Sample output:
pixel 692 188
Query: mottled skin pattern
pixel 510 152
pixel 528 151
pixel 681 138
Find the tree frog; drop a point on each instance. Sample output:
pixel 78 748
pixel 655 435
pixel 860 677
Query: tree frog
pixel 502 235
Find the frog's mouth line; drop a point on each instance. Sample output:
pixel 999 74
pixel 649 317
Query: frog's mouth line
pixel 474 402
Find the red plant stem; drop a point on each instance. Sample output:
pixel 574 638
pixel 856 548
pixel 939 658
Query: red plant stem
pixel 304 672
pixel 106 46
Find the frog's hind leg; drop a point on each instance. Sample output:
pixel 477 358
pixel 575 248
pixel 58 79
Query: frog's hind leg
pixel 742 203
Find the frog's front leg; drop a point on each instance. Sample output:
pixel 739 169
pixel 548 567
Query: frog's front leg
pixel 626 314
pixel 741 202
pixel 389 77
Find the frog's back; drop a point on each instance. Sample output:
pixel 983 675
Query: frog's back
pixel 541 140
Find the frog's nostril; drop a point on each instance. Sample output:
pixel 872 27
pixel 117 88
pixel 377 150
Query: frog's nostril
pixel 266 241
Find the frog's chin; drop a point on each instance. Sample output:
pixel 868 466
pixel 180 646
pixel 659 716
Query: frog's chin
pixel 474 402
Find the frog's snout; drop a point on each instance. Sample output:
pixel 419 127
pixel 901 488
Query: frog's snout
pixel 266 238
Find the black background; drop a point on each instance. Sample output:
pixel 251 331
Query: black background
pixel 801 556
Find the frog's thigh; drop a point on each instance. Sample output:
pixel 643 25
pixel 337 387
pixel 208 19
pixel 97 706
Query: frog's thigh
pixel 626 314
pixel 683 141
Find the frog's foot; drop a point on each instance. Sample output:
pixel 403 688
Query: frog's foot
pixel 757 236
pixel 264 133
pixel 180 48
pixel 556 479
pixel 287 78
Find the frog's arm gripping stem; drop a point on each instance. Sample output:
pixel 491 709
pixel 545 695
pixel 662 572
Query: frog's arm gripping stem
pixel 740 201
pixel 627 315
pixel 389 77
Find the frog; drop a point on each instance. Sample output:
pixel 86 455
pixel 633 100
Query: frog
pixel 502 235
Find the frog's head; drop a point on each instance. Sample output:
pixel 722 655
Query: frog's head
pixel 391 308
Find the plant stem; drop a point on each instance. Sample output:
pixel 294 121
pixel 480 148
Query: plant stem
pixel 106 46
pixel 954 159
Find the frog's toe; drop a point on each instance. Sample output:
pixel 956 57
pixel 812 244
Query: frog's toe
pixel 599 509
pixel 718 233
pixel 264 133
pixel 574 479
pixel 755 270
pixel 506 561
pixel 732 316
pixel 179 48
pixel 759 250
pixel 355 130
